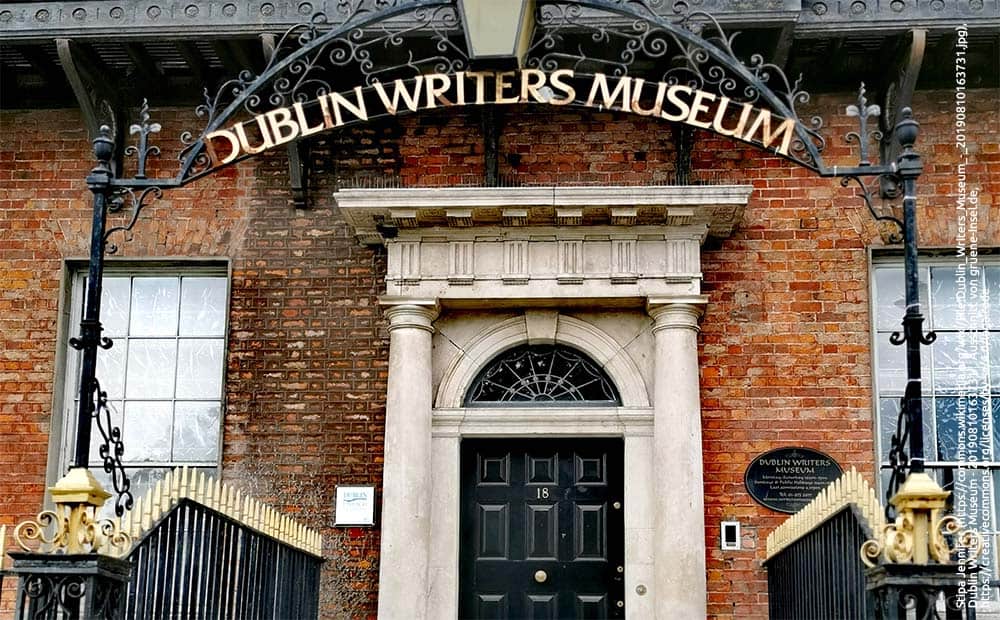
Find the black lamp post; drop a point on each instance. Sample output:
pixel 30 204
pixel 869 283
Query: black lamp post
pixel 99 183
pixel 910 425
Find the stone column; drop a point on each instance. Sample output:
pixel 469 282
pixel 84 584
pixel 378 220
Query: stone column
pixel 679 527
pixel 406 482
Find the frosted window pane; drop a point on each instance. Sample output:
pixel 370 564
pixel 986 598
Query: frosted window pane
pixel 154 307
pixel 947 429
pixel 889 289
pixel 111 368
pixel 888 414
pixel 199 369
pixel 960 361
pixel 890 360
pixel 196 431
pixel 203 306
pixel 888 418
pixel 151 366
pixel 114 306
pixel 147 431
pixel 891 299
pixel 993 303
pixel 96 439
pixel 953 305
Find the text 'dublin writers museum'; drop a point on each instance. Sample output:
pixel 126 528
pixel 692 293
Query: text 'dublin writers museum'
pixel 431 309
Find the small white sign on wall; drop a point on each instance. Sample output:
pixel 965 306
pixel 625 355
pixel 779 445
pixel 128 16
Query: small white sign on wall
pixel 355 506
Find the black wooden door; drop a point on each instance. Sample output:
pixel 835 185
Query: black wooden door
pixel 542 529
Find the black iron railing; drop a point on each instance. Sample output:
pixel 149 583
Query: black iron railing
pixel 199 563
pixel 820 576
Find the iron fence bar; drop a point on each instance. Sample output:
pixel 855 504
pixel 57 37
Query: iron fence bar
pixel 198 563
pixel 820 576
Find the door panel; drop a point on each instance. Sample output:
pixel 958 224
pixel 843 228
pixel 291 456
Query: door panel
pixel 542 529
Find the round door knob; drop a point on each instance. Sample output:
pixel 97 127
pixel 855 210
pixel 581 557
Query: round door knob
pixel 541 576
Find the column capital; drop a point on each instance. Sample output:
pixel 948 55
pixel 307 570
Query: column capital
pixel 676 313
pixel 411 313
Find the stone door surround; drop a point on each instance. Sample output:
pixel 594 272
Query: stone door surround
pixel 533 257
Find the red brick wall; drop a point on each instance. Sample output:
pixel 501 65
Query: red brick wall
pixel 785 342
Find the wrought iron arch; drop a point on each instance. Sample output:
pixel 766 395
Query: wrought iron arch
pixel 542 375
pixel 372 43
pixel 688 47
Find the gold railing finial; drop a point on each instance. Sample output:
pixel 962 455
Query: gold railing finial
pixel 73 527
pixel 921 533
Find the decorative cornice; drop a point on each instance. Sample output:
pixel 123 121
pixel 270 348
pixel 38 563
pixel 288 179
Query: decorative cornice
pixel 370 211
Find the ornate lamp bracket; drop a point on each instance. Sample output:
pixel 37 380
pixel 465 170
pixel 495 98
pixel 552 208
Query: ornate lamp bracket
pixel 883 181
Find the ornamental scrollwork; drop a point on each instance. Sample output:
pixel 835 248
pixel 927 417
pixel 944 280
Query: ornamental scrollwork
pixel 890 226
pixel 314 59
pixel 653 42
pixel 72 528
pixel 111 451
pixel 899 458
pixel 128 198
pixel 949 538
pixel 946 540
pixel 691 48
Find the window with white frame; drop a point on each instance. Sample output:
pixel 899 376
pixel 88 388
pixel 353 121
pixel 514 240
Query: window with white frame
pixel 960 374
pixel 164 373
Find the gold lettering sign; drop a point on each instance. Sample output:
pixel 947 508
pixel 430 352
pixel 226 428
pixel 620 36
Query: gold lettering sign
pixel 677 103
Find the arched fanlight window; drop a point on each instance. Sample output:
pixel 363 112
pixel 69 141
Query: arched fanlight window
pixel 542 375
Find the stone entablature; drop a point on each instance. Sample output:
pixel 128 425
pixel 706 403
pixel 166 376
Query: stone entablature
pixel 543 243
pixel 587 262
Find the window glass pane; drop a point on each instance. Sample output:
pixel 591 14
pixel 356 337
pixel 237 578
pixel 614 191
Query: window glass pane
pixel 147 431
pixel 114 306
pixel 111 368
pixel 151 366
pixel 890 360
pixel 953 306
pixel 888 409
pixel 891 298
pixel 946 416
pixel 196 431
pixel 199 368
pixel 203 307
pixel 958 362
pixel 993 288
pixel 889 291
pixel 154 307
pixel 888 420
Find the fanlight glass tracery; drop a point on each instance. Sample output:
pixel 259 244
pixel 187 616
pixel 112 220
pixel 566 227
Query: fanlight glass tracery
pixel 542 375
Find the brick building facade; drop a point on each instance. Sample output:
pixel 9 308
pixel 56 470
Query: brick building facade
pixel 785 351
